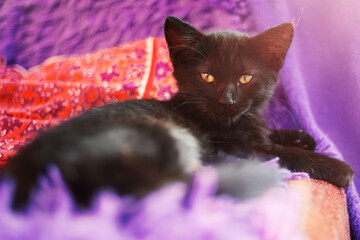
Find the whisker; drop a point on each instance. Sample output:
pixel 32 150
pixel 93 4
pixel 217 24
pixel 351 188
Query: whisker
pixel 187 46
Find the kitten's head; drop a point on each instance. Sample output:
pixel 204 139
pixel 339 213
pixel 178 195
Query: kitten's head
pixel 226 74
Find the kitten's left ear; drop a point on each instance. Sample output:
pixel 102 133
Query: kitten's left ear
pixel 180 35
pixel 274 43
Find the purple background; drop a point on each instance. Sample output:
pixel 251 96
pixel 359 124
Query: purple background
pixel 319 90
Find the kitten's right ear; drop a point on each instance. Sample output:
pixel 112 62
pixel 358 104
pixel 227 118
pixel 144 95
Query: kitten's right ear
pixel 274 43
pixel 180 35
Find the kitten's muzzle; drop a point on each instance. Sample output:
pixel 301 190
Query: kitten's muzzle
pixel 227 94
pixel 227 101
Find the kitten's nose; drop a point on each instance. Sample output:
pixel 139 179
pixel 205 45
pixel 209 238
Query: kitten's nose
pixel 227 101
pixel 227 95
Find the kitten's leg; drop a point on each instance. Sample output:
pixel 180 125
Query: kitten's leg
pixel 318 166
pixel 129 158
pixel 86 175
pixel 293 138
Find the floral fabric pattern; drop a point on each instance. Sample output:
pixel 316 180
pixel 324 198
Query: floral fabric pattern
pixel 65 86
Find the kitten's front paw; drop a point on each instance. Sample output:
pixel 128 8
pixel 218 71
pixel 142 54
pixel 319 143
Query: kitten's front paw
pixel 318 166
pixel 346 175
pixel 335 172
pixel 293 138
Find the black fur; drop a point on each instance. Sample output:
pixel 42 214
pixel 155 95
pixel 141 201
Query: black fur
pixel 127 146
pixel 293 138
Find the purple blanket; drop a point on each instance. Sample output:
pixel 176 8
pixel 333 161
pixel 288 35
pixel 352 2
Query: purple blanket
pixel 319 90
pixel 173 212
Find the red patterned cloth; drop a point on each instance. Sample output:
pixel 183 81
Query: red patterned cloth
pixel 65 86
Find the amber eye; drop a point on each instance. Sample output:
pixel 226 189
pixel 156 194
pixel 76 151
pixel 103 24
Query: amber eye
pixel 207 77
pixel 245 78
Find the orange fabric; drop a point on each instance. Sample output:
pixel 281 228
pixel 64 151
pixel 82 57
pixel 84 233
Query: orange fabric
pixel 324 213
pixel 63 87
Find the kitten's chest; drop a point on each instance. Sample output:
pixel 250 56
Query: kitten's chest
pixel 237 138
pixel 240 136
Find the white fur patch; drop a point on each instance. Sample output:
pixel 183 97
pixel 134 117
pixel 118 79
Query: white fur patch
pixel 188 148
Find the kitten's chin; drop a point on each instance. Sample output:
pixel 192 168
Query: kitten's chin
pixel 227 116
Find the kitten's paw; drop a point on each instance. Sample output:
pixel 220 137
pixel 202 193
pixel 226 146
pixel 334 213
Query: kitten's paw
pixel 345 177
pixel 318 166
pixel 293 138
pixel 335 172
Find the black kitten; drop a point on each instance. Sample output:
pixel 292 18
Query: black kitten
pixel 224 81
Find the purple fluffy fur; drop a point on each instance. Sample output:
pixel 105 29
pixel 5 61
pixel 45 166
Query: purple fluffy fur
pixel 169 213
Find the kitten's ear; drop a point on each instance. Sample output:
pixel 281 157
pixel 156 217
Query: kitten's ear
pixel 274 43
pixel 180 35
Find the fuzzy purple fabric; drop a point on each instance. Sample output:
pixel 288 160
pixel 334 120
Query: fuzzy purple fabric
pixel 34 30
pixel 173 212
